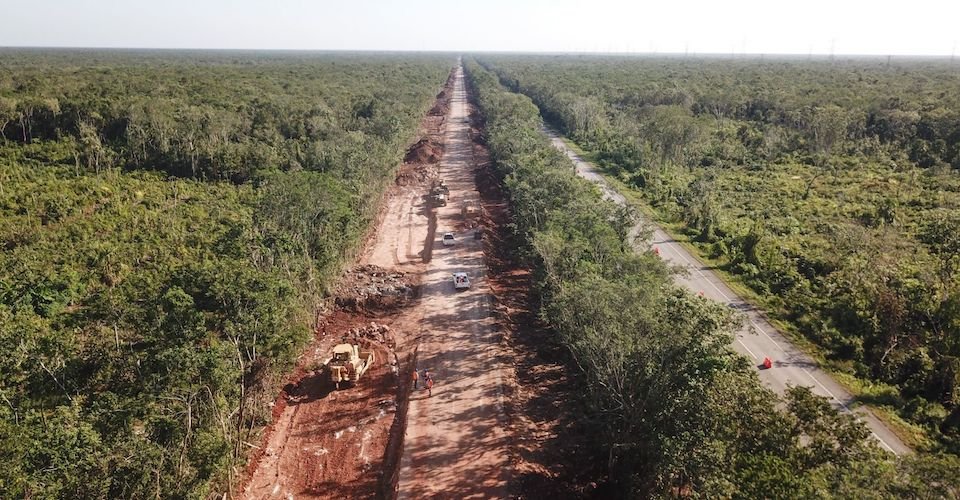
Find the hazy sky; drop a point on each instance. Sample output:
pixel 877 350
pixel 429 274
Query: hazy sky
pixel 720 26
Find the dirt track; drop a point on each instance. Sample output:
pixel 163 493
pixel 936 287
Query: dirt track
pixel 326 444
pixel 347 444
pixel 456 443
pixel 331 444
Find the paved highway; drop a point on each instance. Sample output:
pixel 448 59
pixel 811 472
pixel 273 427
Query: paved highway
pixel 757 339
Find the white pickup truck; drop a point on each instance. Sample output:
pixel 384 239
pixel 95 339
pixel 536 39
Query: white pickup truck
pixel 461 281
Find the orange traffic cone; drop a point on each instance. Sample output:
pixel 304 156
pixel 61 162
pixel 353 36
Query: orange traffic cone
pixel 767 364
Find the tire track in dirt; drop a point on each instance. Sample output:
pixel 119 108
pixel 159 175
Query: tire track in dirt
pixel 457 444
pixel 332 444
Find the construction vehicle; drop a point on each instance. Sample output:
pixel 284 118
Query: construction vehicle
pixel 440 188
pixel 348 364
pixel 439 193
pixel 470 209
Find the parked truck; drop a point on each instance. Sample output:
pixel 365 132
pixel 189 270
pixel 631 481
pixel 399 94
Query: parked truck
pixel 348 364
pixel 470 209
pixel 440 187
pixel 439 193
pixel 461 281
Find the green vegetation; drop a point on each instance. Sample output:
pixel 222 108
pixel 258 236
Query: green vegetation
pixel 674 410
pixel 169 225
pixel 830 188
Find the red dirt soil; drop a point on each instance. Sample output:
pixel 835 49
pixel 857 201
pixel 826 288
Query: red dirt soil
pixel 340 444
pixel 326 443
pixel 550 452
pixel 424 151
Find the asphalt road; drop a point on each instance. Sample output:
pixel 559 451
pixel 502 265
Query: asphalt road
pixel 757 339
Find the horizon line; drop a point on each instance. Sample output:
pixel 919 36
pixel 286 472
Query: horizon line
pixel 444 51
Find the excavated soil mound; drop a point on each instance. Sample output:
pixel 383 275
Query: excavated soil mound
pixel 440 108
pixel 554 459
pixel 415 174
pixel 424 151
pixel 369 287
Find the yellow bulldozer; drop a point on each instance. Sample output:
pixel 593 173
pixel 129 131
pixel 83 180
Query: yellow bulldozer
pixel 348 364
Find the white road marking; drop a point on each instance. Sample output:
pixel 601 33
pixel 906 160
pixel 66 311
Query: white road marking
pixel 673 246
pixel 747 348
pixel 845 407
pixel 758 327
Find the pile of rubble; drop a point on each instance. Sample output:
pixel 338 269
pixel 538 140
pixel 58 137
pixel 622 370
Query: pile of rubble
pixel 424 151
pixel 373 332
pixel 416 173
pixel 370 286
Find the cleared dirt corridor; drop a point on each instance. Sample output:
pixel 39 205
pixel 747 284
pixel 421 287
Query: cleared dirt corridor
pixel 456 445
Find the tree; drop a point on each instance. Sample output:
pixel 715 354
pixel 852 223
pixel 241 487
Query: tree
pixel 8 113
pixel 825 128
pixel 91 147
pixel 701 209
pixel 942 236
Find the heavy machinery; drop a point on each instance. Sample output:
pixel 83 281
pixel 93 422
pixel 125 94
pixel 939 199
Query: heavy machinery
pixel 439 193
pixel 440 187
pixel 348 364
pixel 470 209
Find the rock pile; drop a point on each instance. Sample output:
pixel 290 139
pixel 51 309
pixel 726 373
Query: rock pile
pixel 372 332
pixel 373 286
pixel 415 173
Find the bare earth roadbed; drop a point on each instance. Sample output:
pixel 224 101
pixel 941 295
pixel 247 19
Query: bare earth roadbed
pixel 332 444
pixel 457 441
pixel 499 423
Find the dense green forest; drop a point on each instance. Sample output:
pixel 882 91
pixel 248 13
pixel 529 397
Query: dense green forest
pixel 830 187
pixel 169 225
pixel 674 410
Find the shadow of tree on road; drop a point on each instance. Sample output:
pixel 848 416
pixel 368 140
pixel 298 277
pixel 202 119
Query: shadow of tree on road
pixel 552 450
